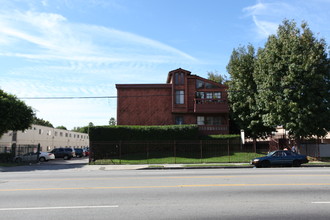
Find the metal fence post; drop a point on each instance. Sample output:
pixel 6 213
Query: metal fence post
pixel 38 152
pixel 174 148
pixel 120 144
pixel 148 152
pixel 201 147
pixel 228 150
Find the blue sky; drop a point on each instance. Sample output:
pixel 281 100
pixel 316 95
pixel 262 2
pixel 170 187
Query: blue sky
pixel 74 48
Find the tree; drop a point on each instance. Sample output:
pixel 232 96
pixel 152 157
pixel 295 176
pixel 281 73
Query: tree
pixel 112 121
pixel 90 124
pixel 242 93
pixel 61 127
pixel 81 129
pixel 40 121
pixel 216 77
pixel 14 113
pixel 292 75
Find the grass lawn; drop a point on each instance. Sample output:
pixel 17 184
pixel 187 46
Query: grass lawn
pixel 8 164
pixel 240 157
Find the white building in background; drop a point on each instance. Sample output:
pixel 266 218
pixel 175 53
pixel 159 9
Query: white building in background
pixel 48 138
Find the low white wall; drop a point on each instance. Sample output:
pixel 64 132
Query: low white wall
pixel 316 150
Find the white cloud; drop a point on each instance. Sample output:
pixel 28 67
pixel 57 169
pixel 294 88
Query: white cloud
pixel 267 15
pixel 47 55
pixel 264 28
pixel 51 36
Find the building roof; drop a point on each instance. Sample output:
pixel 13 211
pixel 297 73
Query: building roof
pixel 170 74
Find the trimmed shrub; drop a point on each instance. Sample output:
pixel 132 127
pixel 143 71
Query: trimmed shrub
pixel 6 157
pixel 166 132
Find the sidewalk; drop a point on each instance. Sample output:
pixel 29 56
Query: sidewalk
pixel 86 167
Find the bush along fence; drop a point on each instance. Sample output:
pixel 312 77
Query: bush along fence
pixel 173 151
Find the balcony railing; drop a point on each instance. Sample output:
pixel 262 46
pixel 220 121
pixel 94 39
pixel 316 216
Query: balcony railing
pixel 211 106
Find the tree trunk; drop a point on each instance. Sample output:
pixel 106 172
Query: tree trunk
pixel 255 145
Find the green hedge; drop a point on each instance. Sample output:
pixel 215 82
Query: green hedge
pixel 166 132
pixel 6 157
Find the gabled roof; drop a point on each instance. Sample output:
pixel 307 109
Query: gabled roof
pixel 170 74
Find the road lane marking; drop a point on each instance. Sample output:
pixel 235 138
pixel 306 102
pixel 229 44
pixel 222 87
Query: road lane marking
pixel 168 177
pixel 174 186
pixel 59 207
pixel 321 202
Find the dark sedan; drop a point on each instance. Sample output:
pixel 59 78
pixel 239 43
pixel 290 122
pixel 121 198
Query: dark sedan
pixel 280 158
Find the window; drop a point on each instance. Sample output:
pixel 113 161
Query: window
pixel 179 97
pixel 217 95
pixel 213 120
pixel 209 95
pixel 179 78
pixel 200 95
pixel 209 120
pixel 205 85
pixel 179 120
pixel 210 86
pixel 200 120
pixel 199 84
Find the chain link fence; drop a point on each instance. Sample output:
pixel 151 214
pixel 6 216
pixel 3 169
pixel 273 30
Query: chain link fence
pixel 153 152
pixel 7 153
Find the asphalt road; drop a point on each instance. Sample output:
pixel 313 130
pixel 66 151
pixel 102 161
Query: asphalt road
pixel 274 193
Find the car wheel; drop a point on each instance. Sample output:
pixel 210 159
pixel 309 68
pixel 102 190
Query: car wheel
pixel 265 163
pixel 42 159
pixel 66 157
pixel 18 160
pixel 296 163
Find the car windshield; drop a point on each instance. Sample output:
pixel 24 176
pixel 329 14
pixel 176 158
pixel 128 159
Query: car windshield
pixel 271 153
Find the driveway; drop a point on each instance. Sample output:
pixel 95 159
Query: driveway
pixel 61 161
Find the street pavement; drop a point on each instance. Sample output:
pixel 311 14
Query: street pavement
pixel 272 193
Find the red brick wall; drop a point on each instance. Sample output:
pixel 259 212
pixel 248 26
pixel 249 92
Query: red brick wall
pixel 144 106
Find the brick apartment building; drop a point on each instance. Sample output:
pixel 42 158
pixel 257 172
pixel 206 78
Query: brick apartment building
pixel 183 99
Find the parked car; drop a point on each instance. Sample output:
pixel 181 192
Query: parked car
pixel 280 158
pixel 86 152
pixel 65 153
pixel 79 152
pixel 31 157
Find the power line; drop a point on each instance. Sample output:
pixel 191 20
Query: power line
pixel 93 97
pixel 72 97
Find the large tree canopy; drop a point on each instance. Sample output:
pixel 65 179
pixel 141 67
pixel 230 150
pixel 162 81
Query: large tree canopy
pixel 14 113
pixel 286 84
pixel 292 74
pixel 242 93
